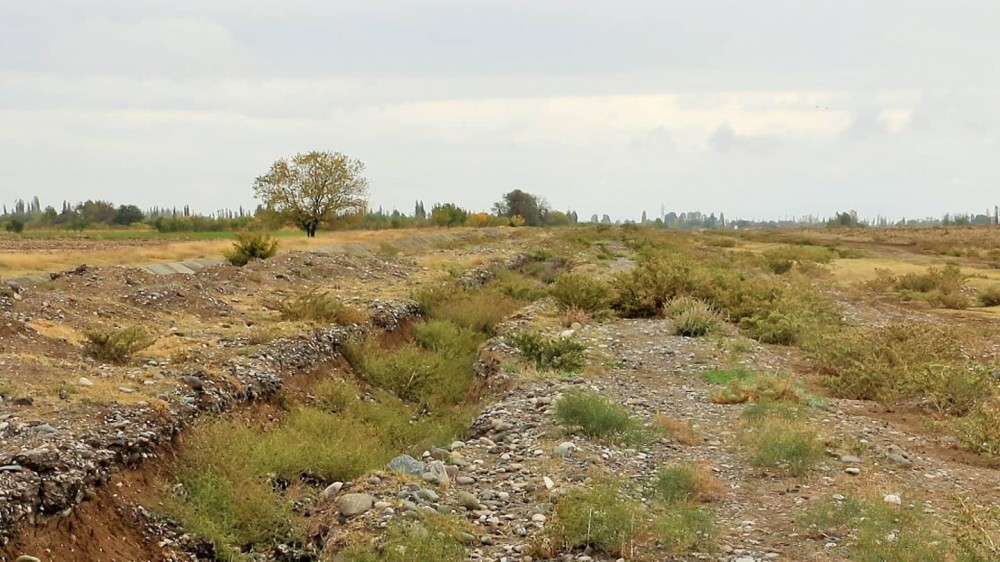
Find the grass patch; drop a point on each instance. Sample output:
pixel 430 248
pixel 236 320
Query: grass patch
pixel 116 346
pixel 598 518
pixel 432 537
pixel 990 296
pixel 725 376
pixel 589 413
pixel 877 531
pixel 696 321
pixel 681 431
pixel 550 354
pixel 414 373
pixel 318 306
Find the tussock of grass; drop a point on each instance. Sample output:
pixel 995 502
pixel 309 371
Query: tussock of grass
pixel 318 306
pixel 555 354
pixel 696 321
pixel 591 414
pixel 598 517
pixel 786 445
pixel 116 346
pixel 413 373
pixel 990 296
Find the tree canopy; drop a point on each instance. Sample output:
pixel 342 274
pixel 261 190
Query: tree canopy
pixel 526 205
pixel 314 188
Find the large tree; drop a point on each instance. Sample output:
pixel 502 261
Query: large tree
pixel 520 203
pixel 314 188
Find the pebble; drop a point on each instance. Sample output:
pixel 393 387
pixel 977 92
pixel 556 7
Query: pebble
pixel 351 505
pixel 853 470
pixel 84 381
pixel 893 499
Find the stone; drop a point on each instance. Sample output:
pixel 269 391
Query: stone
pixel 549 484
pixel 564 449
pixel 126 389
pixel 428 494
pixel 455 445
pixel 440 454
pixel 26 558
pixel 84 381
pixel 467 500
pixel 332 490
pixel 436 473
pixel 853 471
pixel 11 468
pixel 850 459
pixel 465 480
pixel 194 383
pixel 893 499
pixel 351 505
pixel 24 401
pixel 45 428
pixel 408 465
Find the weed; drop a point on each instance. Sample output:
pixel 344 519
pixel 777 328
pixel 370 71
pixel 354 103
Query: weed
pixel 412 373
pixel 318 306
pixel 447 338
pixel 518 286
pixel 251 246
pixel 589 413
pixel 582 291
pixel 686 482
pixel 696 321
pixel 571 316
pixel 116 346
pixel 557 354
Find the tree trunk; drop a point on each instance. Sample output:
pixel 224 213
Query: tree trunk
pixel 311 230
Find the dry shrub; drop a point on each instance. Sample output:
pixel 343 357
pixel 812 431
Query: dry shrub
pixel 573 315
pixel 318 306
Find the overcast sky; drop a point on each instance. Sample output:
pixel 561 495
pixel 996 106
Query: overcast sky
pixel 755 108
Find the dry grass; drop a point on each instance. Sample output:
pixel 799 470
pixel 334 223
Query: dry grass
pixel 681 431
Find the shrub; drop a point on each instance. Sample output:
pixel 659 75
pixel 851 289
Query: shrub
pixel 681 431
pixel 774 326
pixel 251 246
pixel 591 414
pixel 685 482
pixel 318 306
pixel 644 289
pixel 696 321
pixel 14 225
pixel 946 279
pixel 556 354
pixel 683 527
pixel 447 338
pixel 990 296
pixel 116 346
pixel 480 310
pixel 572 316
pixel 518 286
pixel 948 389
pixel 979 431
pixel 582 291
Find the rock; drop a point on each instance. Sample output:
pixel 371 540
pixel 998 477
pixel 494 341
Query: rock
pixel 850 459
pixel 408 465
pixel 428 494
pixel 467 500
pixel 486 540
pixel 351 505
pixel 332 490
pixel 24 401
pixel 194 383
pixel 11 468
pixel 538 518
pixel 436 473
pixel 853 471
pixel 549 484
pixel 41 459
pixel 564 449
pixel 440 454
pixel 457 445
pixel 45 428
pixel 84 381
pixel 375 481
pixel 893 499
pixel 126 389
pixel 465 480
pixel 26 558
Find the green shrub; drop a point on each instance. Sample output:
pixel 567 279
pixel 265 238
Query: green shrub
pixel 318 306
pixel 775 327
pixel 251 246
pixel 682 527
pixel 556 354
pixel 677 483
pixel 518 286
pixel 591 414
pixel 979 431
pixel 644 289
pixel 757 388
pixel 947 279
pixel 480 310
pixel 696 321
pixel 582 291
pixel 447 338
pixel 116 346
pixel 14 225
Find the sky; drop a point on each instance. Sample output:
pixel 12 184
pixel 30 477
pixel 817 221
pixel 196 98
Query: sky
pixel 753 108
